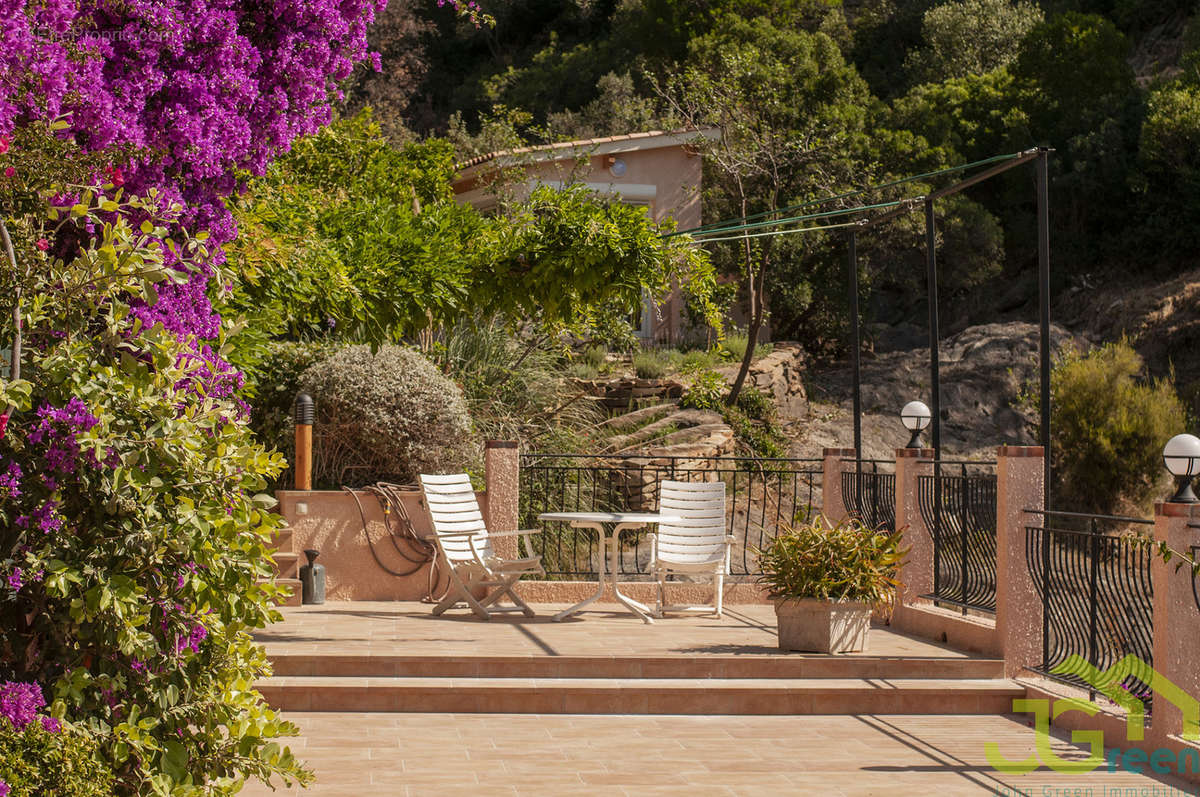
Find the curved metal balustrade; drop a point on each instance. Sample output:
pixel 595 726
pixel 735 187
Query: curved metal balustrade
pixel 763 495
pixel 870 495
pixel 1195 587
pixel 1096 591
pixel 960 512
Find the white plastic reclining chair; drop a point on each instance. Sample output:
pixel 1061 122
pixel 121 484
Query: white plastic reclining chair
pixel 696 545
pixel 465 549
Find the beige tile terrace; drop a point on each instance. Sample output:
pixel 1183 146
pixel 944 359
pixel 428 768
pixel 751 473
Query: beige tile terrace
pixel 408 629
pixel 373 755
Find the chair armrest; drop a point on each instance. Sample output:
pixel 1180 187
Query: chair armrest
pixel 469 534
pixel 513 533
pixel 463 534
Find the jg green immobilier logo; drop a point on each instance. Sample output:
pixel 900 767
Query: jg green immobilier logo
pixel 1110 684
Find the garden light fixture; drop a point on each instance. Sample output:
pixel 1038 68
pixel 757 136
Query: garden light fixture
pixel 1181 456
pixel 916 417
pixel 303 418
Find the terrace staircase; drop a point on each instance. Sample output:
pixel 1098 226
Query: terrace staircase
pixel 676 684
pixel 287 566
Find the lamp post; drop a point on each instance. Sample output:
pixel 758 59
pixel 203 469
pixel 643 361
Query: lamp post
pixel 1181 456
pixel 304 423
pixel 915 416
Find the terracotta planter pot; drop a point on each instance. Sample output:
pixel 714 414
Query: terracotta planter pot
pixel 823 626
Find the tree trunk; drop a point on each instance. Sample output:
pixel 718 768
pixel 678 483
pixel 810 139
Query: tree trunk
pixel 757 308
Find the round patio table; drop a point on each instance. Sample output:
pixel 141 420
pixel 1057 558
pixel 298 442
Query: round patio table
pixel 609 525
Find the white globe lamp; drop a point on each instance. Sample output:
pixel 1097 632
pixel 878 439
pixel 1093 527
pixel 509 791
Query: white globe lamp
pixel 1181 456
pixel 915 416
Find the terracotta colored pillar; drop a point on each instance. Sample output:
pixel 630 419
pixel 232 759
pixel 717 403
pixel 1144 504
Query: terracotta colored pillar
pixel 1176 617
pixel 1019 480
pixel 502 479
pixel 832 505
pixel 916 574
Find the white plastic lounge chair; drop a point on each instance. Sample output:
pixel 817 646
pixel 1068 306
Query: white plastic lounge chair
pixel 465 549
pixel 697 545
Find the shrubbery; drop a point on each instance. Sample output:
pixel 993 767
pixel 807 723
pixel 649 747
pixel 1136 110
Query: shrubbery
pixel 1108 428
pixel 42 757
pixel 512 384
pixel 133 531
pixel 387 415
pixel 752 417
pixel 650 364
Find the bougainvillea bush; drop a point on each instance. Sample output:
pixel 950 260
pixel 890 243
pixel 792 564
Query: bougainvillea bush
pixel 199 95
pixel 40 755
pixel 132 532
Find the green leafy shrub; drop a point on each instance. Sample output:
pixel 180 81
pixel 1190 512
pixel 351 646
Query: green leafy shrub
pixel 696 360
pixel 846 561
pixel 651 364
pixel 734 347
pixel 595 356
pixel 388 415
pixel 44 757
pixel 1108 427
pixel 512 384
pixel 707 392
pixel 756 404
pixel 135 540
pixel 752 418
pixel 759 439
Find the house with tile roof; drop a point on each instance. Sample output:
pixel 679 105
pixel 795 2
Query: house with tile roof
pixel 660 170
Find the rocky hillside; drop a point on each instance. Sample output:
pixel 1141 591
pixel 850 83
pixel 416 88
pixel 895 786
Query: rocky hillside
pixel 983 371
pixel 1162 321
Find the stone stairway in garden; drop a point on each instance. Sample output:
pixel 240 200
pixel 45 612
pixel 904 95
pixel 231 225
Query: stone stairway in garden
pixel 347 657
pixel 287 566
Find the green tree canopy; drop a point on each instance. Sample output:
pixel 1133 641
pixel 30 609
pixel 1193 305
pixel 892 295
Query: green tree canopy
pixel 792 116
pixel 350 238
pixel 970 37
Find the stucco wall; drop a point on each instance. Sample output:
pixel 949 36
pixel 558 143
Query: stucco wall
pixel 329 521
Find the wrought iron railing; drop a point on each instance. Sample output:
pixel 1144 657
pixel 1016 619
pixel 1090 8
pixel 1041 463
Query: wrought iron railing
pixel 762 496
pixel 958 505
pixel 1196 577
pixel 869 493
pixel 1093 576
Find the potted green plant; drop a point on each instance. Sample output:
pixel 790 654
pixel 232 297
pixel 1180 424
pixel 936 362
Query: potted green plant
pixel 825 579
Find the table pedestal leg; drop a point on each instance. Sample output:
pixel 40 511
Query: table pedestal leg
pixel 565 613
pixel 637 608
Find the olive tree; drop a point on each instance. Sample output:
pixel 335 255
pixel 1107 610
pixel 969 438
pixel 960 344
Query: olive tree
pixel 791 113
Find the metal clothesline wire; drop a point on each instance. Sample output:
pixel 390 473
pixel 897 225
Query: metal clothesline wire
pixel 808 217
pixel 729 225
pixel 843 225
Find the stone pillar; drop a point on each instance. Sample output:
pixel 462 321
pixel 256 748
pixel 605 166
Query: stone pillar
pixel 1019 481
pixel 1176 616
pixel 916 574
pixel 502 479
pixel 832 505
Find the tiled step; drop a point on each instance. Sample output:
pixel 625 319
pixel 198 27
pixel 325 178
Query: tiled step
pixel 287 564
pixel 758 666
pixel 283 540
pixel 643 695
pixel 294 584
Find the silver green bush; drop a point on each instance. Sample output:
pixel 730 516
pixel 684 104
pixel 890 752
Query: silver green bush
pixel 387 415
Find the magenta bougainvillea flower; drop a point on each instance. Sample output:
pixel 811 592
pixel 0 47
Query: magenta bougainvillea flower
pixel 20 703
pixel 204 92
